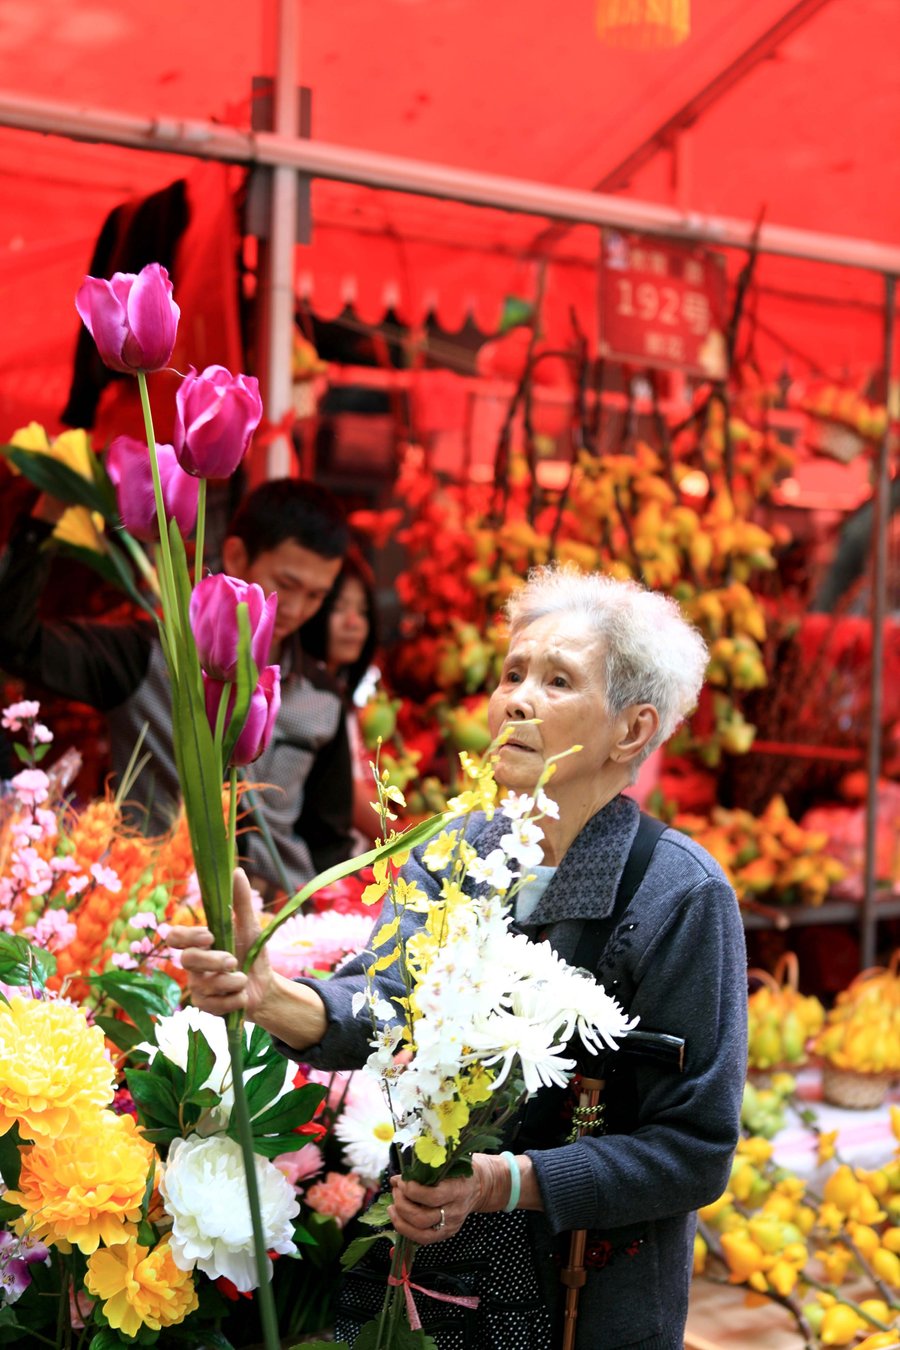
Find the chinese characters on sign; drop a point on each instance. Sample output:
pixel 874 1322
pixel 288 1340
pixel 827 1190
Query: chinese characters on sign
pixel 662 304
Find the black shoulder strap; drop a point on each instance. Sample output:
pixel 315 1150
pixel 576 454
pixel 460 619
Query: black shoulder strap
pixel 596 932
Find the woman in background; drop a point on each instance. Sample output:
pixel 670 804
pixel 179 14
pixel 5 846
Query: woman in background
pixel 343 635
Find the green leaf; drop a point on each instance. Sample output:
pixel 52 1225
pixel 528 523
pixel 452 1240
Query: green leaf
pixel 123 1035
pixel 200 1063
pixel 57 479
pixel 142 995
pixel 9 1212
pixel 10 1158
pixel 402 1337
pixel 257 1048
pixel 264 1086
pixel 516 313
pixel 23 755
pixel 296 1107
pixel 106 1339
pixel 321 1345
pixel 376 1216
pixel 358 1248
pixel 154 1097
pixel 22 964
pixel 247 678
pixel 271 1145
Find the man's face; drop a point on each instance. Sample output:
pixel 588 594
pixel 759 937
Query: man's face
pixel 300 578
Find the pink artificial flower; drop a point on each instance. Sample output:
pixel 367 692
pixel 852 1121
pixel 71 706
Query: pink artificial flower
pixel 41 735
pixel 17 713
pixel 260 722
pixel 132 318
pixel 340 1196
pixel 302 1164
pixel 31 786
pixel 213 616
pixel 106 877
pixel 75 885
pixel 129 469
pixel 216 414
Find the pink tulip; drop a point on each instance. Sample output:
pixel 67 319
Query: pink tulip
pixel 128 465
pixel 216 413
pixel 213 615
pixel 264 704
pixel 132 318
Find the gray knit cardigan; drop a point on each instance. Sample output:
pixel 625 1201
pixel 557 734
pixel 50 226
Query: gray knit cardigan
pixel 677 960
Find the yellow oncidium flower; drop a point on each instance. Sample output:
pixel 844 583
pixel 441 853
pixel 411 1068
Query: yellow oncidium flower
pixel 475 1084
pixel 452 893
pixel 407 894
pixel 439 852
pixel 454 1117
pixel 377 889
pixel 428 1151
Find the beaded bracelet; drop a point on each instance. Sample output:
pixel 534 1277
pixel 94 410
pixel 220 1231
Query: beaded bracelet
pixel 515 1183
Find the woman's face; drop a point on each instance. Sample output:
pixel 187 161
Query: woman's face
pixel 553 672
pixel 348 624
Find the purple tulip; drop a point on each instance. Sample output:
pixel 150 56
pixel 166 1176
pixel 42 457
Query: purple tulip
pixel 216 413
pixel 132 318
pixel 213 614
pixel 128 465
pixel 264 704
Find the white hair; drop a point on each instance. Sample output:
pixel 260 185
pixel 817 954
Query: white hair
pixel 650 653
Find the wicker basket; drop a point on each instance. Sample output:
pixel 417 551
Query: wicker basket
pixel 855 1091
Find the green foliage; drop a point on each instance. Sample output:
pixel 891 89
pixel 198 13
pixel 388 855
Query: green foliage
pixel 143 995
pixel 22 964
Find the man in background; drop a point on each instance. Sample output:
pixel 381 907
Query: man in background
pixel 288 536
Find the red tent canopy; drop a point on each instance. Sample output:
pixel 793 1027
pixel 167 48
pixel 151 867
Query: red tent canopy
pixel 786 109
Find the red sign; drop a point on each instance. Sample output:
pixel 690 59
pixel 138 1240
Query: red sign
pixel 662 304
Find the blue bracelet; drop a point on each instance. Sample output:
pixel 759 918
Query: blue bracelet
pixel 515 1183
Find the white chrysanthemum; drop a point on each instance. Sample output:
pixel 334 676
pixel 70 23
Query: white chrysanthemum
pixel 172 1039
pixel 526 1047
pixel 204 1191
pixel 365 1129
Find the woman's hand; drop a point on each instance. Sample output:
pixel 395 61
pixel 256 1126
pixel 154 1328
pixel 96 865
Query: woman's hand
pixel 216 982
pixel 429 1214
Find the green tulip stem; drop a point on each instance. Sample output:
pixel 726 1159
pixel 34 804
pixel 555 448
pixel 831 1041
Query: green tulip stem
pixel 232 845
pixel 265 1298
pixel 167 571
pixel 201 533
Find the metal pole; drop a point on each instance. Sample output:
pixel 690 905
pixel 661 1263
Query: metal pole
pixel 278 301
pixel 318 159
pixel 878 615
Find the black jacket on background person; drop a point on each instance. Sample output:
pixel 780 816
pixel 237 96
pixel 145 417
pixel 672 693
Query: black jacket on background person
pixel 304 774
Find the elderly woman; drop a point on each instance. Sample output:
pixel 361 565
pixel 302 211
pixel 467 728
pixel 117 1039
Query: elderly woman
pixel 613 668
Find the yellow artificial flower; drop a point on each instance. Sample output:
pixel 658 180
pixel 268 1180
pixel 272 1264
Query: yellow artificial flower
pixel 85 1188
pixel 454 1117
pixel 428 1151
pixel 377 889
pixel 54 1068
pixel 76 525
pixel 81 528
pixel 139 1287
pixel 439 852
pixel 475 1085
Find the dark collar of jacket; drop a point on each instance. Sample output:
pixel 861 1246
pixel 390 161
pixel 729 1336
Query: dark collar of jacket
pixel 585 882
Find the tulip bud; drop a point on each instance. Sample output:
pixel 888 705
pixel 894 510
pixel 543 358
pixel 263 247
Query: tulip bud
pixel 132 318
pixel 216 413
pixel 128 466
pixel 213 616
pixel 260 722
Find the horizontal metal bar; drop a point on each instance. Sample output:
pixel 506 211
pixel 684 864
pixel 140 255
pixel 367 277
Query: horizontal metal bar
pixel 318 159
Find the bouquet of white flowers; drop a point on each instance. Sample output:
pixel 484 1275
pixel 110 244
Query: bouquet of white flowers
pixel 469 1017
